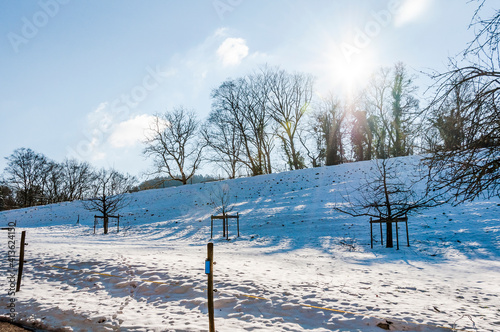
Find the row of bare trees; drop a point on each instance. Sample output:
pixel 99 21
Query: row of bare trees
pixel 31 178
pixel 250 115
pixel 382 122
pixel 271 115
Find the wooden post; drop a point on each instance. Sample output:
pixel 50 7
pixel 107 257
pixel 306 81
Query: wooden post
pixel 397 235
pixel 211 227
pixel 21 261
pixel 223 226
pixel 238 222
pixel 227 227
pixel 407 236
pixel 371 233
pixel 118 225
pixel 95 222
pixel 210 262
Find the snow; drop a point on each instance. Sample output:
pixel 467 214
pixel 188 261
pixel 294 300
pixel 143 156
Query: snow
pixel 297 266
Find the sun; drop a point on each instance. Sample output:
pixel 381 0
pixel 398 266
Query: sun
pixel 353 74
pixel 348 76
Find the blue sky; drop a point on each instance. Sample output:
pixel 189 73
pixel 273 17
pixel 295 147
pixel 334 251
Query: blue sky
pixel 82 78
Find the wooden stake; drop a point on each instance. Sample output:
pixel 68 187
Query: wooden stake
pixel 397 234
pixel 210 259
pixel 211 227
pixel 21 261
pixel 371 233
pixel 407 236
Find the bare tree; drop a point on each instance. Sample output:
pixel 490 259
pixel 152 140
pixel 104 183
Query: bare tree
pixel 24 173
pixel 377 105
pixel 53 182
pixel 385 194
pixel 289 96
pixel 330 121
pixel 256 112
pixel 226 102
pixel 472 169
pixel 243 103
pixel 77 179
pixel 361 135
pixel 449 120
pixel 312 139
pixel 323 137
pixel 224 141
pixel 392 111
pixel 404 111
pixel 174 143
pixel 109 193
pixel 220 199
pixel 486 40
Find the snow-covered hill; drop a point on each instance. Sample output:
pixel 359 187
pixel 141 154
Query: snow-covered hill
pixel 297 266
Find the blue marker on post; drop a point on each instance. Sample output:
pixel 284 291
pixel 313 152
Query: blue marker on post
pixel 207 266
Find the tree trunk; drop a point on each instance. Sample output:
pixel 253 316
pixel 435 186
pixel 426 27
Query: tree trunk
pixel 369 150
pixel 297 163
pixel 105 224
pixel 389 243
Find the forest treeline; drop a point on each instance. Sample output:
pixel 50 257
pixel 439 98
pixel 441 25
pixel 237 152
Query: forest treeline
pixel 256 122
pixel 32 179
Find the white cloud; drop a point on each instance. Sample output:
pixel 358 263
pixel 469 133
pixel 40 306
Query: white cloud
pixel 410 11
pixel 99 122
pixel 129 133
pixel 98 155
pixel 232 51
pixel 221 32
pixel 101 118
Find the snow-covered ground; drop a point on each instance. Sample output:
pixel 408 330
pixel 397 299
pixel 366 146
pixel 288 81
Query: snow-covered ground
pixel 298 265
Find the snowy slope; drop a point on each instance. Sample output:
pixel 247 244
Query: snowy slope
pixel 298 265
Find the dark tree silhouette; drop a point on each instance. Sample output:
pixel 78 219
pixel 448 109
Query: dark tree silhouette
pixel 386 195
pixel 361 136
pixel 77 179
pixel 472 169
pixel 7 200
pixel 329 121
pixel 24 174
pixel 109 193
